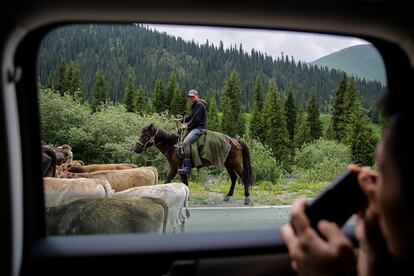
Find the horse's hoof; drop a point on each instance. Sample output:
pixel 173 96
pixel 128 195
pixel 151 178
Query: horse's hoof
pixel 226 198
pixel 247 201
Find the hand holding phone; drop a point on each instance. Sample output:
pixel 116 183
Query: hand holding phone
pixel 338 202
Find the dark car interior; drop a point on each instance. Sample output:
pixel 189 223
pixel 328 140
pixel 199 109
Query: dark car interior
pixel 26 250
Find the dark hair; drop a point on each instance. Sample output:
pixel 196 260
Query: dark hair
pixel 398 137
pixel 392 103
pixel 398 143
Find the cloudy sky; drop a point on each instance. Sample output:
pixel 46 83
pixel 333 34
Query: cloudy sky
pixel 302 46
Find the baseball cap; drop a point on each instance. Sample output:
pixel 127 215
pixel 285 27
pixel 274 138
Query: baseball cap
pixel 192 93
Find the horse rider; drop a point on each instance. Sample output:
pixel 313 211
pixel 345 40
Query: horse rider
pixel 196 125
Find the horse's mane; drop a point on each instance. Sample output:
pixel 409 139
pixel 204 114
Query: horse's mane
pixel 165 136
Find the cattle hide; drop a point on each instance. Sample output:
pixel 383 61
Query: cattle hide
pixel 60 191
pixel 63 153
pixel 107 216
pixel 155 170
pixel 121 180
pixel 48 162
pixel 101 167
pixel 174 194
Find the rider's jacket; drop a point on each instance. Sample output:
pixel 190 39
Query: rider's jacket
pixel 198 116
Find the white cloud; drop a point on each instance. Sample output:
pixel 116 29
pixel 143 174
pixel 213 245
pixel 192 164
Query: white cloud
pixel 302 46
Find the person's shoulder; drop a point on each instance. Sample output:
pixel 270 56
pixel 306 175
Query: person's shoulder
pixel 202 102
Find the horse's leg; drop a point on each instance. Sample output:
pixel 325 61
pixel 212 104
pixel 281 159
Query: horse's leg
pixel 233 178
pixel 184 178
pixel 239 171
pixel 171 174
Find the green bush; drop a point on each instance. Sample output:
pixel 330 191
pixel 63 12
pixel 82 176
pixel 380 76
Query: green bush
pixel 321 161
pixel 64 120
pixel 265 166
pixel 106 136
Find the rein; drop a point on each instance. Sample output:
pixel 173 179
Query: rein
pixel 150 140
pixel 153 143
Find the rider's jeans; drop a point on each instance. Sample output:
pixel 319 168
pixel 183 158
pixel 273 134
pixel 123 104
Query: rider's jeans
pixel 193 135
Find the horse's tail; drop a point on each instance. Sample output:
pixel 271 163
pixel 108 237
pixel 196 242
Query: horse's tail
pixel 247 164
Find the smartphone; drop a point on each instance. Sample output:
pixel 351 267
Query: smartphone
pixel 338 202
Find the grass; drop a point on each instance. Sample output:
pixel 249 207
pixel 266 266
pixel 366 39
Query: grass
pixel 264 193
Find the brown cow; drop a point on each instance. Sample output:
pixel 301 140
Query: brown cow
pixel 124 179
pixel 100 167
pixel 108 216
pixel 60 191
pixel 48 162
pixel 63 153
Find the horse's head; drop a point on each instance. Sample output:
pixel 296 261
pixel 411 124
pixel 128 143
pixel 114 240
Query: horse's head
pixel 145 138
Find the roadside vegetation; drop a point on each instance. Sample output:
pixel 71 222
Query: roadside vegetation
pixel 290 158
pixel 303 124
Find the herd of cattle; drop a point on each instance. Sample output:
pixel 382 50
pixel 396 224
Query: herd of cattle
pixel 108 198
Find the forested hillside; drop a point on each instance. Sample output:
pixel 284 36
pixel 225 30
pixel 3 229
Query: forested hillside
pixel 114 52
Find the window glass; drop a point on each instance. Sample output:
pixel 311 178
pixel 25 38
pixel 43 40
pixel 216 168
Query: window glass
pixel 278 114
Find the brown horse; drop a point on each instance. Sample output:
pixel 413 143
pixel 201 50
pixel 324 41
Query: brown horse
pixel 165 142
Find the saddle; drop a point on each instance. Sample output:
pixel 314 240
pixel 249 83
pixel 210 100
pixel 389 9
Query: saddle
pixel 212 146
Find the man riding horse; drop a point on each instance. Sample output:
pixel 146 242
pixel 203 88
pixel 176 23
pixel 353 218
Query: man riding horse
pixel 196 125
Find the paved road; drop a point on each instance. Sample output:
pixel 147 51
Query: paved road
pixel 236 218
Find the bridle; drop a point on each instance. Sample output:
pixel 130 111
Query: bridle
pixel 150 140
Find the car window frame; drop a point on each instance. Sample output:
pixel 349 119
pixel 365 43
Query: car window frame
pixel 37 247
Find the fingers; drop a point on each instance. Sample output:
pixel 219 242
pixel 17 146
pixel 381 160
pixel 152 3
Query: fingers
pixel 354 168
pixel 367 180
pixel 299 219
pixel 288 235
pixel 292 243
pixel 359 228
pixel 333 234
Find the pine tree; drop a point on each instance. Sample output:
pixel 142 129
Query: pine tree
pixel 100 92
pixel 149 107
pixel 67 80
pixel 350 100
pixel 60 82
pixel 139 101
pixel 290 109
pixel 329 133
pixel 213 121
pixel 169 93
pixel 130 94
pixel 314 122
pixel 257 124
pixel 178 102
pixel 338 111
pixel 277 136
pixel 71 81
pixel 51 81
pixel 233 123
pixel 159 96
pixel 360 137
pixel 302 131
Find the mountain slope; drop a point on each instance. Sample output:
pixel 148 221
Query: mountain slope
pixel 152 56
pixel 361 60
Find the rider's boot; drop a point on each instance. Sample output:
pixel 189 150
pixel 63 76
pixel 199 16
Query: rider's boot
pixel 187 160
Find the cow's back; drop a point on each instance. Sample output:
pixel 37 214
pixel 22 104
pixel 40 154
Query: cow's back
pixel 60 191
pixel 101 167
pixel 107 216
pixel 174 194
pixel 124 179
